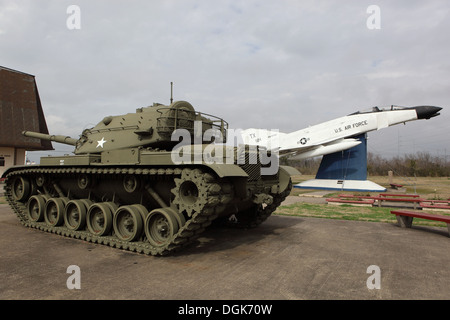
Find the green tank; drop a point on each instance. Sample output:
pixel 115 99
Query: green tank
pixel 148 182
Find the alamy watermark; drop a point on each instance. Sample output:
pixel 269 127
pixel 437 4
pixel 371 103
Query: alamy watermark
pixel 74 280
pixel 73 21
pixel 374 280
pixel 374 20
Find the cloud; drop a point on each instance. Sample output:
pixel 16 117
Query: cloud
pixel 269 64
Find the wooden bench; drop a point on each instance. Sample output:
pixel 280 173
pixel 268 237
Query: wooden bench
pixel 399 195
pixel 354 202
pixel 405 218
pixel 350 196
pixel 408 198
pixel 436 205
pixel 370 200
pixel 396 186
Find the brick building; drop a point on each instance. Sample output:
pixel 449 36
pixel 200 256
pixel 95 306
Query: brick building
pixel 20 109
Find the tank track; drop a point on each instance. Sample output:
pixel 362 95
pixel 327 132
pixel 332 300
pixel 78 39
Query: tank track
pixel 254 216
pixel 186 234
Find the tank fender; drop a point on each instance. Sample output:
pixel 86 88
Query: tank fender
pixel 285 176
pixel 227 170
pixel 237 174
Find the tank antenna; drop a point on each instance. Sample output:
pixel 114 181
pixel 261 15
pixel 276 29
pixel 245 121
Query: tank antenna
pixel 171 92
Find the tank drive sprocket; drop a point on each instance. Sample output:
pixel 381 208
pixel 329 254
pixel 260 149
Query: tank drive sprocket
pixel 196 191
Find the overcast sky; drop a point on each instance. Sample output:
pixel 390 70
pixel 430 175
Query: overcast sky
pixel 273 64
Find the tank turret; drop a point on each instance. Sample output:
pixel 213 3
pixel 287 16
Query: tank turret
pixel 148 181
pixel 148 127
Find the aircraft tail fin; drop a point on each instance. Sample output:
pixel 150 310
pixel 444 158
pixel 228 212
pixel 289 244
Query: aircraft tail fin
pixel 348 164
pixel 269 139
pixel 344 170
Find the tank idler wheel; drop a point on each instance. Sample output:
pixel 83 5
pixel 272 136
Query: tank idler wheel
pixel 128 222
pixel 36 207
pixel 99 218
pixel 75 213
pixel 160 226
pixel 20 188
pixel 54 211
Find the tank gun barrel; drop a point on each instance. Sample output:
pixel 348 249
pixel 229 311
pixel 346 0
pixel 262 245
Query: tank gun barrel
pixel 56 138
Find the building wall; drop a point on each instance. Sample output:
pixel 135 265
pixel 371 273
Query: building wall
pixel 20 110
pixel 10 156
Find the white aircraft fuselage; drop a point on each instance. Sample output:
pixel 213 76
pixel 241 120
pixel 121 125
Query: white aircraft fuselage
pixel 335 135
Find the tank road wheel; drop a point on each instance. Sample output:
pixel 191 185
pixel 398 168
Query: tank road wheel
pixel 99 217
pixel 191 190
pixel 160 226
pixel 54 211
pixel 75 214
pixel 20 188
pixel 40 180
pixel 128 222
pixel 84 181
pixel 36 206
pixel 130 183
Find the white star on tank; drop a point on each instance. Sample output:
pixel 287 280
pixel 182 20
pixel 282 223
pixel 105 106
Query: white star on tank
pixel 100 143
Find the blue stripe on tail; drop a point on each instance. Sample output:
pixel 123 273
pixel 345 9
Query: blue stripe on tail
pixel 350 164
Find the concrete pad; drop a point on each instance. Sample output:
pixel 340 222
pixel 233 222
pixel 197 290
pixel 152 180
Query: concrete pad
pixel 287 258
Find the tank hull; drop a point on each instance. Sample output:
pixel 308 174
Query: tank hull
pixel 141 200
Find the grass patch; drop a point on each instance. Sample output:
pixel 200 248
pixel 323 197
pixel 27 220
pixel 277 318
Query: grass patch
pixel 2 200
pixel 343 212
pixel 427 187
pixel 348 212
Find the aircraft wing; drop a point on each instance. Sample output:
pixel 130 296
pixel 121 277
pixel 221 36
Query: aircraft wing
pixel 320 149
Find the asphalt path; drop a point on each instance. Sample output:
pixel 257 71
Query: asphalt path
pixel 285 258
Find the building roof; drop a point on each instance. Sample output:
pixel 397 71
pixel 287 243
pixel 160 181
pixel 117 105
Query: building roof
pixel 20 110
